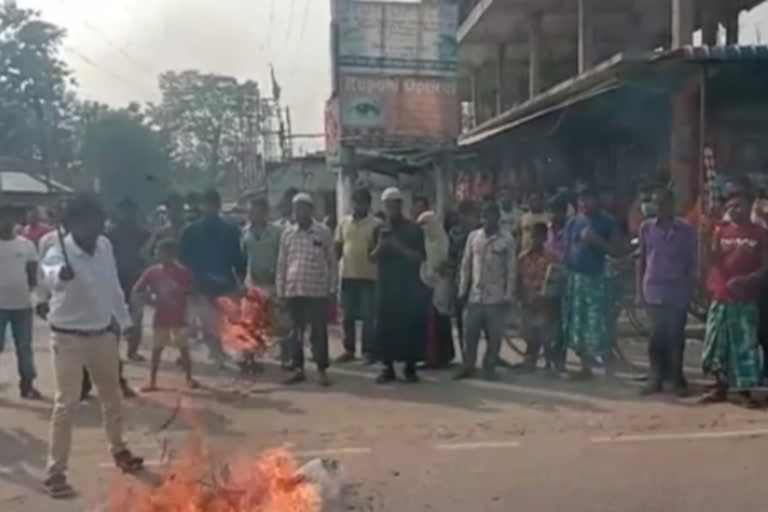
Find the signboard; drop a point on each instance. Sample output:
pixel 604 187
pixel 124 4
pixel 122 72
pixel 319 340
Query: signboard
pixel 395 38
pixel 389 110
pixel 332 131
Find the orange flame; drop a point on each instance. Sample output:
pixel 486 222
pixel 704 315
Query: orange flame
pixel 268 483
pixel 246 323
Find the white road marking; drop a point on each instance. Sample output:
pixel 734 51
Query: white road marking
pixel 480 445
pixel 681 436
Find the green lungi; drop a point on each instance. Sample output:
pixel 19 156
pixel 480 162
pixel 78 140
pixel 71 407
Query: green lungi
pixel 585 315
pixel 731 345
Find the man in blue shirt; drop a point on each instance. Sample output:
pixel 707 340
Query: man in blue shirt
pixel 590 236
pixel 210 248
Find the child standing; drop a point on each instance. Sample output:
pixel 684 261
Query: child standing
pixel 539 306
pixel 168 286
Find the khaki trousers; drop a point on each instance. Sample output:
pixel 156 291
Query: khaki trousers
pixel 99 354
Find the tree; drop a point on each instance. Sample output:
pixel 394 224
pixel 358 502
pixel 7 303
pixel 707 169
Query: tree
pixel 34 97
pixel 212 125
pixel 125 155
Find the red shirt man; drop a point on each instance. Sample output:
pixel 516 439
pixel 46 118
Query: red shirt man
pixel 741 248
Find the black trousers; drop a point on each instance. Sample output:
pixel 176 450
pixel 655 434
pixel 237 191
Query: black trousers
pixel 666 350
pixel 312 313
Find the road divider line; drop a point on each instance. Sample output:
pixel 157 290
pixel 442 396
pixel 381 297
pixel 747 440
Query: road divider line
pixel 638 438
pixel 480 445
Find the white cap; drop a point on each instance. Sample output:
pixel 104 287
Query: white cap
pixel 392 194
pixel 302 197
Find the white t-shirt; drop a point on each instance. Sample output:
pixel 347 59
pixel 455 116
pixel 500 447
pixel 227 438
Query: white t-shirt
pixel 14 286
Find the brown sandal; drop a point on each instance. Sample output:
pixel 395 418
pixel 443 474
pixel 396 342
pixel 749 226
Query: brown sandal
pixel 58 488
pixel 715 396
pixel 128 462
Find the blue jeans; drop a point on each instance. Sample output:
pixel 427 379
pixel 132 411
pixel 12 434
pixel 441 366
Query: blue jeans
pixel 20 321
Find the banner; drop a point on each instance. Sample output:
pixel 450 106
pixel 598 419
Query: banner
pixel 395 38
pixel 392 110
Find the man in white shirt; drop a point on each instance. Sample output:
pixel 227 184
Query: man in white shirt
pixel 18 276
pixel 86 302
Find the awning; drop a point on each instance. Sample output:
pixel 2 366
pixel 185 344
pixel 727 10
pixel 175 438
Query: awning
pixel 615 73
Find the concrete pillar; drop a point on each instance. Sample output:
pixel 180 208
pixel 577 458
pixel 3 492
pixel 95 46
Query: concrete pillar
pixel 709 23
pixel 731 23
pixel 534 54
pixel 682 22
pixel 500 85
pixel 585 35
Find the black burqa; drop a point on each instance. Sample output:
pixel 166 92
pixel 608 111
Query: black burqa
pixel 402 299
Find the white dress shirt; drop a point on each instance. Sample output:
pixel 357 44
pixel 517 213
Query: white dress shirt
pixel 93 299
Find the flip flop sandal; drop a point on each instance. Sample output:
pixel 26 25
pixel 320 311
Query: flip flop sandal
pixel 57 488
pixel 128 462
pixel 714 396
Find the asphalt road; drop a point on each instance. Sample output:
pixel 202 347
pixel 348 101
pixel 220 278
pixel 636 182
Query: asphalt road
pixel 525 443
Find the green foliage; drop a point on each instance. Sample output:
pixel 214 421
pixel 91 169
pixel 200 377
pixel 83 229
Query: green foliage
pixel 33 83
pixel 210 120
pixel 125 155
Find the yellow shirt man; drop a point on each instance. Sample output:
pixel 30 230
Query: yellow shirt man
pixel 527 221
pixel 355 237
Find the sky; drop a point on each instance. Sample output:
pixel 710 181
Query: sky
pixel 118 47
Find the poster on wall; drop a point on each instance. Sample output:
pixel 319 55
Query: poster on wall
pixel 413 108
pixel 394 38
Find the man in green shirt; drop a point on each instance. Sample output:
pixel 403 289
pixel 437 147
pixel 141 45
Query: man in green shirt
pixel 261 243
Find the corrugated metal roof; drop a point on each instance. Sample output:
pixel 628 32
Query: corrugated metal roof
pixel 23 183
pixel 598 77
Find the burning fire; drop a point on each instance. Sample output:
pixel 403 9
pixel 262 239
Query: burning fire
pixel 246 323
pixel 271 482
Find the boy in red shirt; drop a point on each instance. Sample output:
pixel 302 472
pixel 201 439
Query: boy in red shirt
pixel 732 352
pixel 168 285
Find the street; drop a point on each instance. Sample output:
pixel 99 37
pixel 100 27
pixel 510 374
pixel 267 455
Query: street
pixel 524 443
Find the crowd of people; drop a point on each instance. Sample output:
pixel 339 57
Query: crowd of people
pixel 407 277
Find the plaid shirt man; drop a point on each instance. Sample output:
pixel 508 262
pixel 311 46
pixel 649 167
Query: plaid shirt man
pixel 489 268
pixel 306 262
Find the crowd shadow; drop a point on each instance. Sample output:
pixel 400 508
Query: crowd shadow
pixel 22 458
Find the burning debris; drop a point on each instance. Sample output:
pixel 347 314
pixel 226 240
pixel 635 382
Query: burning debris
pixel 247 322
pixel 272 482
